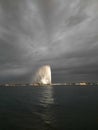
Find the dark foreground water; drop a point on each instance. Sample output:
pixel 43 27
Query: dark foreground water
pixel 49 108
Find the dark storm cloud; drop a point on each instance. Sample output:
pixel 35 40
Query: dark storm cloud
pixel 61 33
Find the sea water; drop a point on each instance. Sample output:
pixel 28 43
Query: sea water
pixel 49 108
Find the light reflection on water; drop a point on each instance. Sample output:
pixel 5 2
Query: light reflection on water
pixel 47 96
pixel 47 102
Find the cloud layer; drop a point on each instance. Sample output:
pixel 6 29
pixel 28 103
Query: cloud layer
pixel 61 33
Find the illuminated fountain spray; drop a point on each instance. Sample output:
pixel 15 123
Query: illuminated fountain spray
pixel 43 75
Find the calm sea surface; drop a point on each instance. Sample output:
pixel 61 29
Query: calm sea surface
pixel 49 108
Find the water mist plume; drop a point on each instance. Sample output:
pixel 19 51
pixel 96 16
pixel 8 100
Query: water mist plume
pixel 43 75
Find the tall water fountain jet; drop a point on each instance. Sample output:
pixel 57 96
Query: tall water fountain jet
pixel 43 75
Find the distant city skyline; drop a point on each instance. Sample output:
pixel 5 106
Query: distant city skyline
pixel 61 33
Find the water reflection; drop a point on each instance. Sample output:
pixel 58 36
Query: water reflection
pixel 47 102
pixel 46 98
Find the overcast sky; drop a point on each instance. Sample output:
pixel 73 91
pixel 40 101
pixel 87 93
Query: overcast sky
pixel 61 33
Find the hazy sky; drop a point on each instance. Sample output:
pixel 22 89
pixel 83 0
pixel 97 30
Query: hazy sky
pixel 62 33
